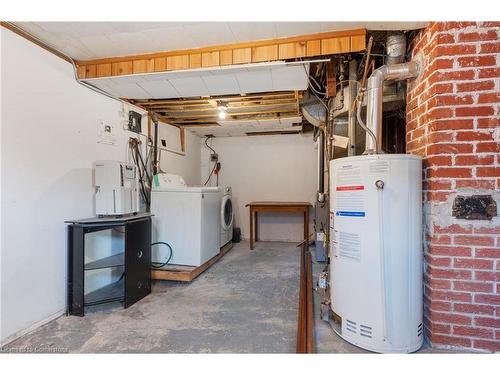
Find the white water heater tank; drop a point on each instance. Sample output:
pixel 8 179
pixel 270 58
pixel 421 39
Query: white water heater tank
pixel 376 257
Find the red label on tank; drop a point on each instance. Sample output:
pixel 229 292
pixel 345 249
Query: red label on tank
pixel 353 187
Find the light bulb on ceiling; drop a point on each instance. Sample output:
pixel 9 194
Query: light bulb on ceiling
pixel 222 112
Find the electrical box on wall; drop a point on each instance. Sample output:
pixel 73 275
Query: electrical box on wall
pixel 134 121
pixel 106 133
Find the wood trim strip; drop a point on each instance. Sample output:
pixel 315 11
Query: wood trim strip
pixel 103 70
pixel 209 59
pixel 195 61
pixel 177 62
pixel 226 57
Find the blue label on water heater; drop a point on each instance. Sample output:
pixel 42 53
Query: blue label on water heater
pixel 350 213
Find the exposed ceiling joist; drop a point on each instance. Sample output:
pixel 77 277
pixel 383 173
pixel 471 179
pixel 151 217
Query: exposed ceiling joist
pixel 229 99
pixel 205 111
pixel 274 132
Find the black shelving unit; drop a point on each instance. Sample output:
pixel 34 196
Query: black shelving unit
pixel 133 285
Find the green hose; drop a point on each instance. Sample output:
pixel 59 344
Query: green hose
pixel 159 264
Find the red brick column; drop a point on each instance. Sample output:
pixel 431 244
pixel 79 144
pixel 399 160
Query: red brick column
pixel 453 123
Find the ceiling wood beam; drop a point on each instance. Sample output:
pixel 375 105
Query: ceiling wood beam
pixel 199 125
pixel 273 132
pixel 203 111
pixel 310 45
pixel 230 110
pixel 204 115
pixel 230 103
pixel 233 106
pixel 265 95
pixel 214 121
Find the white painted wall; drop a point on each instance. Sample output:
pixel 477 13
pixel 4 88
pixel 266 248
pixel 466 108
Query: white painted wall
pixel 48 144
pixel 279 168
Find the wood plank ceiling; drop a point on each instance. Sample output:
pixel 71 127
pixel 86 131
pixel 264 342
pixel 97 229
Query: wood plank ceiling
pixel 204 111
pixel 310 45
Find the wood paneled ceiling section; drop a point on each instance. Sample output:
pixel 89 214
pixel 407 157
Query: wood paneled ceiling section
pixel 204 111
pixel 311 45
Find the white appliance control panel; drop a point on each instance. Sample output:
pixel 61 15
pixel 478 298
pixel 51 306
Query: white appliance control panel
pixel 117 188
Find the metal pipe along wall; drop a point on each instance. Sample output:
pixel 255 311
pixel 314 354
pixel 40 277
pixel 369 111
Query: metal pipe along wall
pixel 353 88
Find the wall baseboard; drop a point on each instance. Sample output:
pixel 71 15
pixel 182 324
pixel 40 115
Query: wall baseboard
pixel 31 328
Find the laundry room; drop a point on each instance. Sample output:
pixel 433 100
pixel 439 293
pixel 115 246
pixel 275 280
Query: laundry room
pixel 250 187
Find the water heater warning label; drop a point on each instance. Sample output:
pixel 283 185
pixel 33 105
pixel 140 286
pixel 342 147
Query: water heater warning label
pixel 348 175
pixel 349 245
pixel 350 188
pixel 350 200
pixel 351 213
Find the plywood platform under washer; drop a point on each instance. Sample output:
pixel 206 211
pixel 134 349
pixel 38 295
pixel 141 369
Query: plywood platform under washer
pixel 175 272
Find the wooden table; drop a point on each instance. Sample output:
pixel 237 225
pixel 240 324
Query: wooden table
pixel 272 206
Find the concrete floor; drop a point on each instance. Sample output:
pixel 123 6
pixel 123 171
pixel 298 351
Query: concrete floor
pixel 245 303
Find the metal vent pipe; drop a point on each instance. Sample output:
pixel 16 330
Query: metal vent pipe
pixel 396 48
pixel 314 112
pixel 374 88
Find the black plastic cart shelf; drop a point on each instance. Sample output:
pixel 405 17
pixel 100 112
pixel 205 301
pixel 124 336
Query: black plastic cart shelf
pixel 108 262
pixel 133 285
pixel 109 293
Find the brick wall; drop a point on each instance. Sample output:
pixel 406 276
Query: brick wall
pixel 453 123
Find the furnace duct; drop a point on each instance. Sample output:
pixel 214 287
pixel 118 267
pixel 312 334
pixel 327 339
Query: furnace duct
pixel 314 112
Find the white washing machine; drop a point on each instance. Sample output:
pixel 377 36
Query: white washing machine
pixel 185 217
pixel 226 216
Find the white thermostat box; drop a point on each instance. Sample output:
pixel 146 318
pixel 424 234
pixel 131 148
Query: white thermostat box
pixel 117 188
